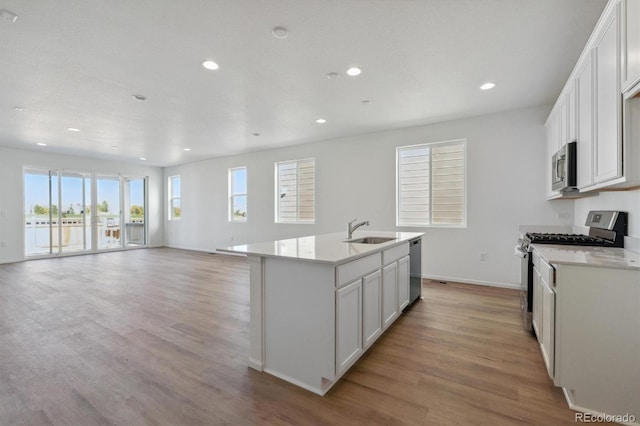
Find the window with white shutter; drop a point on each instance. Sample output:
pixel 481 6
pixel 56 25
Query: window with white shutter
pixel 431 182
pixel 295 191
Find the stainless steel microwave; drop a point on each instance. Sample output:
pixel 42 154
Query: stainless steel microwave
pixel 564 168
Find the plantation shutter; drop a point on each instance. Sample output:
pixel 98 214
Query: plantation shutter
pixel 431 184
pixel 414 177
pixel 296 191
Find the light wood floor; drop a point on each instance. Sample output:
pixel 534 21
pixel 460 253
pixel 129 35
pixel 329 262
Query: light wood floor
pixel 160 337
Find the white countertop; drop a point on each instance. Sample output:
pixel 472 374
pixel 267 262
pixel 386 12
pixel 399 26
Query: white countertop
pixel 325 248
pixel 601 257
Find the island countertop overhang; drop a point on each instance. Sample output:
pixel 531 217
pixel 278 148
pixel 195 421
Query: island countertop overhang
pixel 325 248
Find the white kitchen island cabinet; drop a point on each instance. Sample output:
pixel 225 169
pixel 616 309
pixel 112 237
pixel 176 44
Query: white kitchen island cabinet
pixel 318 302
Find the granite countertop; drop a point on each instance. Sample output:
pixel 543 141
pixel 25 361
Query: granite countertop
pixel 601 257
pixel 325 248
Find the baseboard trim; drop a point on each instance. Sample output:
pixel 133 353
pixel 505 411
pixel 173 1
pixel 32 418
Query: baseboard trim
pixel 7 261
pixel 474 282
pixel 598 414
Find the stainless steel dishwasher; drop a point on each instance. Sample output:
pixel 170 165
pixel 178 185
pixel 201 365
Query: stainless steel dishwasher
pixel 415 270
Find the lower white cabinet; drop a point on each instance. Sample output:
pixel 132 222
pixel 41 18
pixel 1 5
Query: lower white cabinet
pixel 544 311
pixel 536 317
pixel 389 294
pixel 403 283
pixel 547 345
pixel 372 307
pixel 348 325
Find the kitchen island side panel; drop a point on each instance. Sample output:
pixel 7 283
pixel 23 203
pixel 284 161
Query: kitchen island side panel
pixel 299 321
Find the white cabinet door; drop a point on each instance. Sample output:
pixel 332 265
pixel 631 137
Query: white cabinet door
pixel 372 307
pixel 537 304
pixel 403 283
pixel 553 144
pixel 584 83
pixel 571 114
pixel 389 294
pixel 547 343
pixel 348 325
pixel 564 123
pixel 608 102
pixel 631 44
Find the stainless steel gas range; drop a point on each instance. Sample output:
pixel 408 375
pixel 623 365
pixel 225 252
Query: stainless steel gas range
pixel 606 229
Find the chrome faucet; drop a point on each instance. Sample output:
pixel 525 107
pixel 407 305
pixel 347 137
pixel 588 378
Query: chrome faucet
pixel 352 227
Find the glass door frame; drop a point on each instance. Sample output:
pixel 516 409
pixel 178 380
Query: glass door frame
pixel 145 213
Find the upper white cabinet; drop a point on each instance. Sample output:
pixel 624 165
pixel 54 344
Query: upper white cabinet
pixel 599 105
pixel 630 43
pixel 554 136
pixel 584 89
pixel 571 117
pixel 608 101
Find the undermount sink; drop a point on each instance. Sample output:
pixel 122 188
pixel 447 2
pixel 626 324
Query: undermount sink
pixel 370 240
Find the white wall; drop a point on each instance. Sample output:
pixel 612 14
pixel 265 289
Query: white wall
pixel 355 178
pixel 12 162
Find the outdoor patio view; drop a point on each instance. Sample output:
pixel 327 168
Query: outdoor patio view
pixel 58 213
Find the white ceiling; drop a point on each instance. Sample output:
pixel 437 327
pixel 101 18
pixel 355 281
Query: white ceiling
pixel 77 63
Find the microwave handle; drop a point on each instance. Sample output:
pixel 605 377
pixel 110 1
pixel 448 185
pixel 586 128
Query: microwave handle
pixel 560 160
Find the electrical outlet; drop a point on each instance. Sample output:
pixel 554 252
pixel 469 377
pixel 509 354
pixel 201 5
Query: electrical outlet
pixel 3 243
pixel 3 213
pixel 483 257
pixel 563 216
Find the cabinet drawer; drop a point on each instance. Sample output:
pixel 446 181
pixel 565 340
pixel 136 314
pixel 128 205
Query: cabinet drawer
pixel 394 253
pixel 356 269
pixel 546 272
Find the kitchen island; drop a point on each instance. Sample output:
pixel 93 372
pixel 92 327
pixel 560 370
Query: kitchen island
pixel 318 302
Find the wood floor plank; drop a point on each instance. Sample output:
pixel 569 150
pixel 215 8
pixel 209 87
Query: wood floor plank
pixel 161 337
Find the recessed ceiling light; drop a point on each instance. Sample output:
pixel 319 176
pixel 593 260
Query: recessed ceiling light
pixel 8 16
pixel 210 65
pixel 366 102
pixel 73 129
pixel 18 109
pixel 256 134
pixel 41 144
pixel 187 149
pixel 143 159
pixel 487 86
pixel 354 71
pixel 115 146
pixel 321 121
pixel 140 98
pixel 280 32
pixel 333 75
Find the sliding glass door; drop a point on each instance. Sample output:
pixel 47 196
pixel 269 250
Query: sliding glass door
pixel 134 212
pixel 71 212
pixel 74 232
pixel 56 212
pixel 108 212
pixel 37 212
